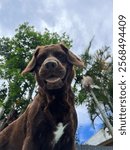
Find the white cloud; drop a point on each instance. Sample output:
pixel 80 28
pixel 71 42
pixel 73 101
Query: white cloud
pixel 80 19
pixel 0 6
pixel 83 116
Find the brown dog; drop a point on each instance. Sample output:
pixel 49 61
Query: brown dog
pixel 50 121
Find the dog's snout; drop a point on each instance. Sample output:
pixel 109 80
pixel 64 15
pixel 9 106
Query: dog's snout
pixel 51 64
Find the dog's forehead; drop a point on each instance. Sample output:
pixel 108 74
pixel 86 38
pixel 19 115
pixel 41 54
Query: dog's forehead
pixel 50 49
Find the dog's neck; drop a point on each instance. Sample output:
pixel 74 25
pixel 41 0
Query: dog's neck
pixel 57 94
pixel 57 103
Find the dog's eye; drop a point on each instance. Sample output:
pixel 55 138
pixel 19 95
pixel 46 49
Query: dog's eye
pixel 41 58
pixel 62 57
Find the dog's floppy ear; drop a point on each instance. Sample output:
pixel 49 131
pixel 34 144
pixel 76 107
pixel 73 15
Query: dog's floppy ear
pixel 72 58
pixel 32 63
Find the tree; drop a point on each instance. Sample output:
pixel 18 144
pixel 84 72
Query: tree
pixel 16 92
pixel 99 67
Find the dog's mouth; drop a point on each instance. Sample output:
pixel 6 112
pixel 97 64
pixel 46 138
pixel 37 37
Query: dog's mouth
pixel 53 79
pixel 54 82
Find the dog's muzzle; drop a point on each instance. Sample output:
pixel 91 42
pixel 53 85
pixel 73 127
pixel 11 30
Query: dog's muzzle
pixel 53 73
pixel 50 65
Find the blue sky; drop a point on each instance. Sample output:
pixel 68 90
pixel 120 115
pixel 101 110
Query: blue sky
pixel 85 128
pixel 81 20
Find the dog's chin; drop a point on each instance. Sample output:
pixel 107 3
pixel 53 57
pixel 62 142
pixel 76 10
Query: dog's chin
pixel 54 83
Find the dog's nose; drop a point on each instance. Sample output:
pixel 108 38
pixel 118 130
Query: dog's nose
pixel 51 65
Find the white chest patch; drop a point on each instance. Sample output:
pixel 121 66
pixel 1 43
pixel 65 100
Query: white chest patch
pixel 59 132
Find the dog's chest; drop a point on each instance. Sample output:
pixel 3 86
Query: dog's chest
pixel 58 133
pixel 50 136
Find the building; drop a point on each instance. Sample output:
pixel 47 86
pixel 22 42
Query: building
pixel 102 140
pixel 102 137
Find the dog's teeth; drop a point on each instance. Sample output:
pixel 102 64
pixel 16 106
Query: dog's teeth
pixel 52 80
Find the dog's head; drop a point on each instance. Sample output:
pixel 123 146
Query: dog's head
pixel 53 65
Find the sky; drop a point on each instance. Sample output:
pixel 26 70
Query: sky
pixel 85 128
pixel 80 19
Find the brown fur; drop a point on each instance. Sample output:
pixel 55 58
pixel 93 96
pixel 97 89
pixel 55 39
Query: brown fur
pixel 54 103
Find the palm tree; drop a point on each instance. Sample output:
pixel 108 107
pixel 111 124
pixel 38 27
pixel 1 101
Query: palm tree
pixel 99 67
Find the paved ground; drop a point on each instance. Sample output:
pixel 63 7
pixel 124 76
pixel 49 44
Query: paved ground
pixel 88 147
